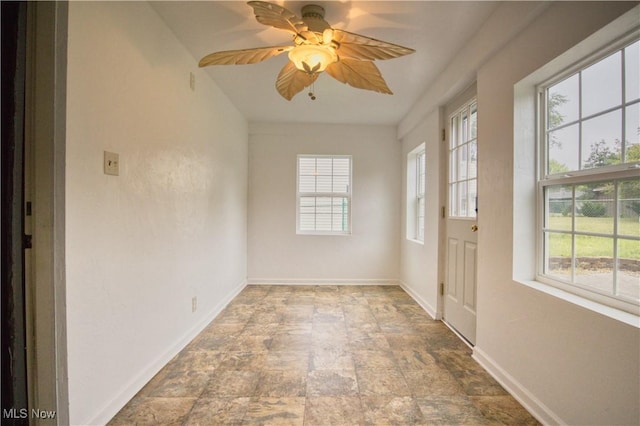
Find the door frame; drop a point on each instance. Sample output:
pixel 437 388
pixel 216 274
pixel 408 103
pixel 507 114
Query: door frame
pixel 14 330
pixel 45 136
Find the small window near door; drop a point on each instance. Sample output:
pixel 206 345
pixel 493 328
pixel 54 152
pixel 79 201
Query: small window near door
pixel 324 195
pixel 463 162
pixel 416 173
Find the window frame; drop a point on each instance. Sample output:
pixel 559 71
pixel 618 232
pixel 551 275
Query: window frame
pixel 609 173
pixel 413 215
pixel 453 213
pixel 348 195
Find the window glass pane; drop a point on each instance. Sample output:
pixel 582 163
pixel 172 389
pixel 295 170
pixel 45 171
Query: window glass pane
pixel 323 205
pixel 307 166
pixel 453 137
pixel 421 173
pixel 462 162
pixel 474 121
pixel 453 199
pixel 558 255
pixel 323 222
pixel 632 71
pixel 628 272
pixel 562 102
pixel 340 206
pixel 420 189
pixel 464 127
pixel 473 160
pixel 453 166
pixel 594 262
pixel 473 197
pixel 307 184
pixel 341 166
pixel 324 166
pixel 340 210
pixel 307 222
pixel 563 150
pixel 323 184
pixel 307 205
pixel 595 207
pixel 602 85
pixel 632 133
pixel 338 223
pixel 601 140
pixel 462 197
pixel 341 184
pixel 559 207
pixel 629 208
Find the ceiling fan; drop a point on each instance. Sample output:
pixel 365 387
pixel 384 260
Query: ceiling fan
pixel 317 47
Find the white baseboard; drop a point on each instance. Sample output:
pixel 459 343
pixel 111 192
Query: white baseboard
pixel 133 387
pixel 320 281
pixel 537 409
pixel 420 301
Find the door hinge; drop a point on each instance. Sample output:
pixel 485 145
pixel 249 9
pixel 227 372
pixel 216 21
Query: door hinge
pixel 444 135
pixel 443 212
pixel 27 241
pixel 27 209
pixel 441 289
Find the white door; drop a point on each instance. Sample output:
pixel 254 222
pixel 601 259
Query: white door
pixel 461 223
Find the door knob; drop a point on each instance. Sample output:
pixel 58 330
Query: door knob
pixel 474 228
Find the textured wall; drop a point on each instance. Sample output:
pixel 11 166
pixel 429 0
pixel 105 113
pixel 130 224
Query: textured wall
pixel 371 252
pixel 171 227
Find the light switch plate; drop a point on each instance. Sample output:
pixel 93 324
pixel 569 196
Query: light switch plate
pixel 111 163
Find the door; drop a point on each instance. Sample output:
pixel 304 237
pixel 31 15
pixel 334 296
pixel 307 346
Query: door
pixel 461 222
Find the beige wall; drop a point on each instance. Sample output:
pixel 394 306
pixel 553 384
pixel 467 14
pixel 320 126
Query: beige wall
pixel 171 227
pixel 573 365
pixel 567 364
pixel 419 263
pixel 276 252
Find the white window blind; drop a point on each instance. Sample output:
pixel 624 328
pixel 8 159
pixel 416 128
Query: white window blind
pixel 324 194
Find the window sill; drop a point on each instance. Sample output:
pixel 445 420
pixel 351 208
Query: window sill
pixel 413 240
pixel 613 313
pixel 330 234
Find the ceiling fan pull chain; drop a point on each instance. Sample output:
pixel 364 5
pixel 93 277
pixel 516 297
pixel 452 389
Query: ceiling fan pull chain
pixel 311 93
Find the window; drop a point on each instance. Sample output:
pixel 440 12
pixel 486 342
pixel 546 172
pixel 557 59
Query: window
pixel 463 162
pixel 416 173
pixel 324 194
pixel 589 189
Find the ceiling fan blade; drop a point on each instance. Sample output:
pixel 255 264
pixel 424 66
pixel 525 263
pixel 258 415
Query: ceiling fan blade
pixel 291 81
pixel 359 74
pixel 356 46
pixel 277 16
pixel 243 56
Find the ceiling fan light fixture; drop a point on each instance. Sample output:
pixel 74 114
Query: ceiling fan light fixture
pixel 315 49
pixel 312 59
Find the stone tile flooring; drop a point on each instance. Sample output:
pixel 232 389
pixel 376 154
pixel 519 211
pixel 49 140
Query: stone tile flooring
pixel 324 355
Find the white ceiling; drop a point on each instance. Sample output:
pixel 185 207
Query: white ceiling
pixel 435 29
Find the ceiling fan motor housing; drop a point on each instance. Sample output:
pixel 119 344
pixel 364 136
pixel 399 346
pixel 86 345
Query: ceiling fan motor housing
pixel 313 16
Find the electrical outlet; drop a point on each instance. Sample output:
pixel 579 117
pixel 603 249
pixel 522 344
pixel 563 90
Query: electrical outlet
pixel 111 163
pixel 194 303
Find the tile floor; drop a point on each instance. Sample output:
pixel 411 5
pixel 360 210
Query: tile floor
pixel 324 355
